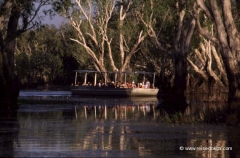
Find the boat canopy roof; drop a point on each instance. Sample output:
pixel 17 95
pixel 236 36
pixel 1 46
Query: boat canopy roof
pixel 127 72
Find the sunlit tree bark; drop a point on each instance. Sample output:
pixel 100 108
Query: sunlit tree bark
pixel 202 63
pixel 227 38
pixel 97 37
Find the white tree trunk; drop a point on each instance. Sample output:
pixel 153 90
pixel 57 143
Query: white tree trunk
pixel 100 37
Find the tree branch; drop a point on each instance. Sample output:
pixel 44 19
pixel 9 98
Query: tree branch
pixel 197 70
pixel 180 28
pixel 203 31
pixel 89 51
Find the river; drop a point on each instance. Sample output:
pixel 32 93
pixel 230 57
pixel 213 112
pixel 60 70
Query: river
pixel 109 127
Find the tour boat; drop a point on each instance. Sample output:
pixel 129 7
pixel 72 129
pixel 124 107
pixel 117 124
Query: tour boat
pixel 129 89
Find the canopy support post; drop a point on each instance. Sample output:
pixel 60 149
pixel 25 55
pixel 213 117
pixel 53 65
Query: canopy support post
pixel 105 78
pixel 115 80
pixel 125 75
pixel 85 79
pixel 154 79
pixel 144 79
pixel 75 82
pixel 95 79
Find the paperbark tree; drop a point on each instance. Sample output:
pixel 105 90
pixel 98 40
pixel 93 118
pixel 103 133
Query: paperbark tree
pixel 202 61
pixel 99 38
pixel 180 48
pixel 227 38
pixel 10 13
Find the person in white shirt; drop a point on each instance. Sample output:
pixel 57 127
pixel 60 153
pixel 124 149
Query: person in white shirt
pixel 147 84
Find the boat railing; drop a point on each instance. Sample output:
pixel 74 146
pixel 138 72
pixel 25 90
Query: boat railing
pixel 114 84
pixel 126 86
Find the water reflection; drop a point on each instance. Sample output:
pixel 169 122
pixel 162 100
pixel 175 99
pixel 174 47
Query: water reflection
pixel 214 111
pixel 118 112
pixel 43 93
pixel 110 128
pixel 9 128
pixel 103 130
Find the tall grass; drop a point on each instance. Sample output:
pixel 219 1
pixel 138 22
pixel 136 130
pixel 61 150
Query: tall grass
pixel 219 116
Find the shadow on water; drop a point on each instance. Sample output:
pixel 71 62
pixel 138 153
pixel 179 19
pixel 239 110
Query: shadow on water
pixel 201 111
pixel 9 130
pixel 204 108
pixel 173 103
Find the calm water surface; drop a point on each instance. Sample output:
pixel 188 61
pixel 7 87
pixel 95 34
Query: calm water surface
pixel 115 127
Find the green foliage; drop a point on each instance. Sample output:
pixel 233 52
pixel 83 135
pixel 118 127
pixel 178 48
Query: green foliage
pixel 23 65
pixel 44 55
pixel 212 115
pixel 71 49
pixel 62 6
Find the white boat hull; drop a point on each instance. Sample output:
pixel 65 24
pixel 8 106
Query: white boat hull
pixel 101 91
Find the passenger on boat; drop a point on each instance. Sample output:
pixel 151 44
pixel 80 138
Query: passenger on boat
pixel 122 85
pixel 100 83
pixel 125 85
pixel 129 85
pixel 147 85
pixel 108 83
pixel 103 85
pixel 111 84
pixel 133 84
pixel 140 85
pixel 118 84
pixel 89 84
